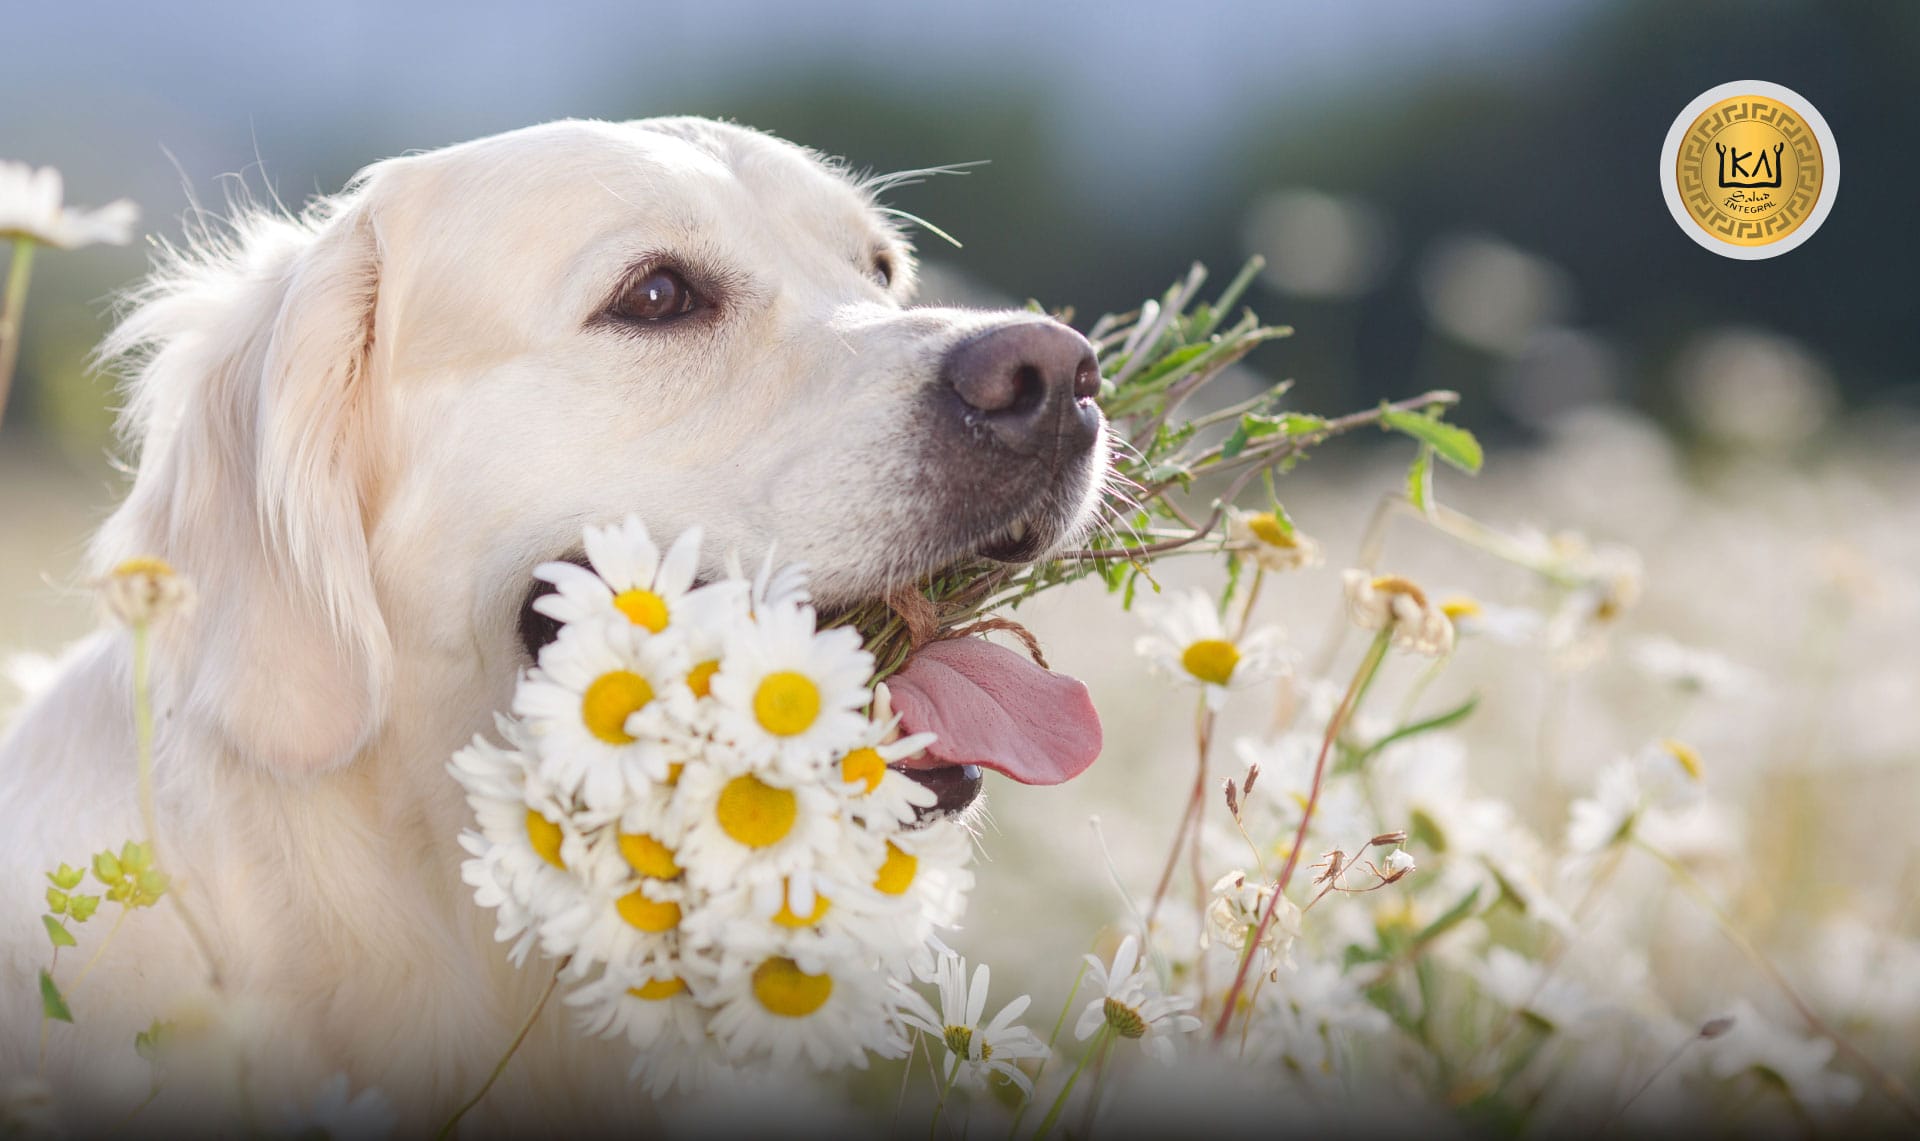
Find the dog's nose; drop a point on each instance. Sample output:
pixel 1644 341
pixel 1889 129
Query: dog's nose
pixel 1031 385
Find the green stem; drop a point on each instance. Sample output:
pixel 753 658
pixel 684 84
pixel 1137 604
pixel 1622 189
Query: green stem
pixel 1892 1087
pixel 86 970
pixel 513 1048
pixel 946 1090
pixel 143 733
pixel 11 305
pixel 1099 1080
pixel 1060 1102
pixel 1041 1070
pixel 143 753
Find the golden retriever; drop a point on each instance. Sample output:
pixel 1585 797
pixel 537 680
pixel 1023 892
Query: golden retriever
pixel 358 432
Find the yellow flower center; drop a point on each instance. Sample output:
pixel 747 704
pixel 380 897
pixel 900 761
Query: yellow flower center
pixel 544 835
pixel 610 700
pixel 1211 660
pixel 642 608
pixel 658 989
pixel 648 856
pixel 786 917
pixel 755 813
pixel 1460 606
pixel 897 872
pixel 786 703
pixel 145 565
pixel 1684 753
pixel 1125 1020
pixel 863 765
pixel 1266 528
pixel 646 914
pixel 784 989
pixel 673 773
pixel 700 678
pixel 960 1040
pixel 1395 584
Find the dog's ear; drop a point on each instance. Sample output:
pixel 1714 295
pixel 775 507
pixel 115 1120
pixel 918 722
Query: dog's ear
pixel 254 408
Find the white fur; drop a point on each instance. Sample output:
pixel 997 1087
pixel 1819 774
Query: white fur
pixel 358 433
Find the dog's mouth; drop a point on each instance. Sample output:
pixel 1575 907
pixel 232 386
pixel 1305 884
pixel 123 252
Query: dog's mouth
pixel 1018 542
pixel 988 707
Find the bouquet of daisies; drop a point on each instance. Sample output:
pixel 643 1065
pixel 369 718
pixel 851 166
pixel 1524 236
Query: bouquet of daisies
pixel 693 811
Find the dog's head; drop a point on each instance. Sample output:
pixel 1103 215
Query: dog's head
pixel 361 431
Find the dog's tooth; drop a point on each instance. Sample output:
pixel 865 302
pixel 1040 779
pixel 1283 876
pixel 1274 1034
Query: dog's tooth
pixel 1018 531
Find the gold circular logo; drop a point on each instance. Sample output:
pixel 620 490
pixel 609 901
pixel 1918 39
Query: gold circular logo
pixel 1750 170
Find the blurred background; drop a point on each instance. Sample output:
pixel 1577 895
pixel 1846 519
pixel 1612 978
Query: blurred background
pixel 1458 194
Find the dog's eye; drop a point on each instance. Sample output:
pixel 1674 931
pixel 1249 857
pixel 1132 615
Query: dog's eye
pixel 656 296
pixel 883 270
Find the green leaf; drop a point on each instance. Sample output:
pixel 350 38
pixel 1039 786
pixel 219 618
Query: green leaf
pixel 51 1004
pixel 1420 480
pixel 1234 564
pixel 150 1042
pixel 1236 442
pixel 1453 444
pixel 1172 361
pixel 136 857
pixel 1453 917
pixel 57 931
pixel 1255 426
pixel 1439 721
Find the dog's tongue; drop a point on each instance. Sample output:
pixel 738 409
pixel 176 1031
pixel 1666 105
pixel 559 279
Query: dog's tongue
pixel 992 707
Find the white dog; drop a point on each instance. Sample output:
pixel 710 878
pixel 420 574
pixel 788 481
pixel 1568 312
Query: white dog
pixel 358 434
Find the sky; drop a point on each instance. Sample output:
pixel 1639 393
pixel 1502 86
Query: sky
pixel 194 90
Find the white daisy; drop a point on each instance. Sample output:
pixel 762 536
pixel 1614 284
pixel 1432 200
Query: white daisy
pixel 879 796
pixel 629 926
pixel 1381 602
pixel 632 583
pixel 687 1069
pixel 1502 625
pixel 810 918
pixel 651 1005
pixel 1190 644
pixel 1692 670
pixel 605 709
pixel 1276 544
pixel 1131 1004
pixel 30 208
pixel 922 878
pixel 338 1114
pixel 746 824
pixel 1599 821
pixel 831 1017
pixel 527 854
pixel 140 592
pixel 975 1049
pixel 772 586
pixel 792 693
pixel 1800 1065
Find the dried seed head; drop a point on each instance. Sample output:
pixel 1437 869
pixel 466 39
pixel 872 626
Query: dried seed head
pixel 1233 802
pixel 1253 774
pixel 1388 839
pixel 1715 1027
